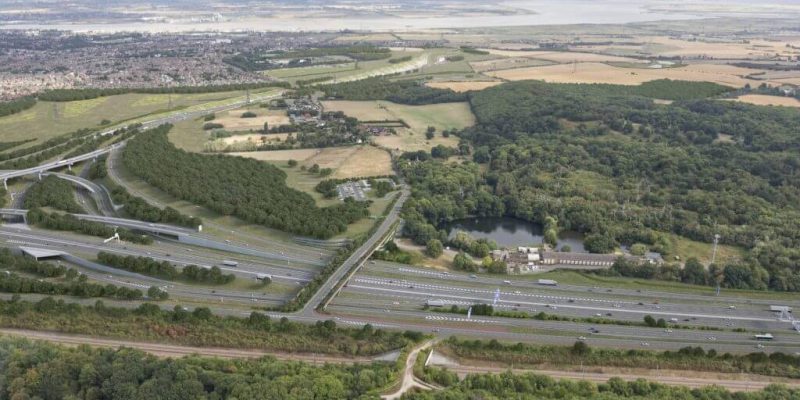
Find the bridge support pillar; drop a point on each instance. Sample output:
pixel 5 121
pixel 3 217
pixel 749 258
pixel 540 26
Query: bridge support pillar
pixel 5 184
pixel 69 167
pixel 40 175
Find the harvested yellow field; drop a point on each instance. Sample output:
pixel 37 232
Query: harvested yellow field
pixel 669 47
pixel 365 161
pixel 233 121
pixel 463 86
pixel 604 73
pixel 766 100
pixel 507 63
pixel 753 49
pixel 561 56
pixel 330 157
pixel 279 155
pixel 406 140
pixel 419 118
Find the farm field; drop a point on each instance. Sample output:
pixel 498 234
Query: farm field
pixel 604 73
pixel 366 161
pixel 419 118
pixel 561 56
pixel 347 162
pixel 508 63
pixel 50 119
pixel 767 100
pixel 408 141
pixel 671 47
pixel 233 121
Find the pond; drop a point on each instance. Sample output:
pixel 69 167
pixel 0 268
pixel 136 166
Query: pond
pixel 511 232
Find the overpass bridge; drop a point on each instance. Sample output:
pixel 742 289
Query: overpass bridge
pixel 67 162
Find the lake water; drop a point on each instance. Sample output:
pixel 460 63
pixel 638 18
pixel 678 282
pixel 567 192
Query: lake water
pixel 511 232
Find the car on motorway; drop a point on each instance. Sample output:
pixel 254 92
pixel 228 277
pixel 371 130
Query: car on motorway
pixel 473 276
pixel 507 282
pixel 645 344
pixel 581 338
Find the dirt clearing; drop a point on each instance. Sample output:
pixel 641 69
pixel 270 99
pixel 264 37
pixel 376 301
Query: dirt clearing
pixel 233 121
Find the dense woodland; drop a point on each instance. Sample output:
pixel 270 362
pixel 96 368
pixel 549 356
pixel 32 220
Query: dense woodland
pixel 249 189
pixel 403 92
pixel 621 169
pixel 53 192
pixel 688 358
pixel 38 370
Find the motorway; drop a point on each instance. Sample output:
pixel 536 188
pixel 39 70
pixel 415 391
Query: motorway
pixel 396 294
pixel 287 279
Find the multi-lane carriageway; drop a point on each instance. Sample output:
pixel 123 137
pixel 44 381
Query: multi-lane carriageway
pixel 397 293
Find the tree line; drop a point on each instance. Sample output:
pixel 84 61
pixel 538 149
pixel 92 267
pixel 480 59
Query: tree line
pixel 62 95
pixel 200 327
pixel 16 105
pixel 30 265
pixel 80 287
pixel 248 189
pixel 165 270
pixel 67 222
pixel 529 386
pixel 10 145
pixel 687 358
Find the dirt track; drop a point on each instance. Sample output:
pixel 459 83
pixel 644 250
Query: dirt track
pixel 170 350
